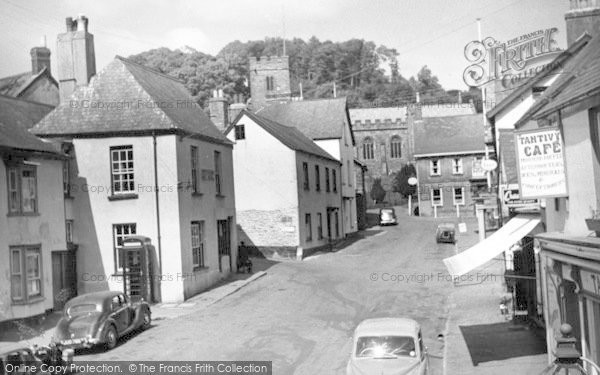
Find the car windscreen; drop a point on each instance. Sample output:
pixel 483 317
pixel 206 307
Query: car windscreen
pixel 83 309
pixel 385 346
pixel 387 212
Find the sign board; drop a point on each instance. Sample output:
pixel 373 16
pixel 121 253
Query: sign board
pixel 512 199
pixel 477 171
pixel 462 227
pixel 489 164
pixel 412 181
pixel 541 165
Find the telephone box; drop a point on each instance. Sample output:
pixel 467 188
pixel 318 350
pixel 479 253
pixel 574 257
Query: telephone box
pixel 140 279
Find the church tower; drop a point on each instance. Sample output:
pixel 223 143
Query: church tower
pixel 269 80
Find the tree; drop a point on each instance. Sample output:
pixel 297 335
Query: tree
pixel 377 191
pixel 400 183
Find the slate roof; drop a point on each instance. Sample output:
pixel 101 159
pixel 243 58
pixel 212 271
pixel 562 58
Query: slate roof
pixel 449 135
pixel 16 84
pixel 317 119
pixel 16 117
pixel 580 77
pixel 127 98
pixel 508 157
pixel 288 135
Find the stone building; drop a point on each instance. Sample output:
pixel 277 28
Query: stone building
pixel 269 80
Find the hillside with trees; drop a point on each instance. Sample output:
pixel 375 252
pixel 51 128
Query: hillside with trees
pixel 364 72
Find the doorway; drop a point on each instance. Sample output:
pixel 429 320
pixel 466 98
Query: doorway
pixel 224 242
pixel 64 277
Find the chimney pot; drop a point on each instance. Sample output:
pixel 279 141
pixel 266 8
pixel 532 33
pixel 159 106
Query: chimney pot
pixel 69 22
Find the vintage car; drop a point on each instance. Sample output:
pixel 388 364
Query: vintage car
pixel 445 232
pixel 100 318
pixel 387 216
pixel 391 346
pixel 23 361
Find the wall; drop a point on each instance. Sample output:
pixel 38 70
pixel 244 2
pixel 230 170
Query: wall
pixel 266 188
pixel 208 207
pixel 447 181
pixel 95 214
pixel 382 165
pixel 46 229
pixel 581 166
pixel 43 90
pixel 313 202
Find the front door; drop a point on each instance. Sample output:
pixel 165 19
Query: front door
pixel 64 281
pixel 223 242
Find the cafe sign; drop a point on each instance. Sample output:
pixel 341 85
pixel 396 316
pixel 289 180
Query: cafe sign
pixel 541 163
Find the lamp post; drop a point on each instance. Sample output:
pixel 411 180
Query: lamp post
pixel 412 181
pixel 568 359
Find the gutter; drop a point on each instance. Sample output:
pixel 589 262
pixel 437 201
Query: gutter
pixel 156 198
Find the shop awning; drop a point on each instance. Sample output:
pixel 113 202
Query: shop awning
pixel 516 228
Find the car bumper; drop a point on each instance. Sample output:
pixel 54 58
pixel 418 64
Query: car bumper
pixel 79 343
pixel 387 222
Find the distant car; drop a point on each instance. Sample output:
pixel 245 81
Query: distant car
pixel 391 346
pixel 445 232
pixel 100 318
pixel 387 216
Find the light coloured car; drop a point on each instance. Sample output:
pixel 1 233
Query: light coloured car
pixel 387 216
pixel 388 346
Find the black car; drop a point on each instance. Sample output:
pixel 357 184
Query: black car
pixel 445 232
pixel 100 318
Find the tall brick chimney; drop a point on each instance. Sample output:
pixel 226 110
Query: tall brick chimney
pixel 40 58
pixel 75 55
pixel 583 16
pixel 219 110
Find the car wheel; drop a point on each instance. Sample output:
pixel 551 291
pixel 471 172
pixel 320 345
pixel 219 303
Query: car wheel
pixel 147 319
pixel 111 338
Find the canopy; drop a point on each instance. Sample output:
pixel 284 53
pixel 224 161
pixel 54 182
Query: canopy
pixel 516 228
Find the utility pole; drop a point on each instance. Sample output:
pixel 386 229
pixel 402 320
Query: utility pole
pixel 484 113
pixel 334 90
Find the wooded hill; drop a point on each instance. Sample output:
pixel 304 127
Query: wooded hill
pixel 364 72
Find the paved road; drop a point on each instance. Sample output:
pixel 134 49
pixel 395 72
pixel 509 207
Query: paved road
pixel 302 314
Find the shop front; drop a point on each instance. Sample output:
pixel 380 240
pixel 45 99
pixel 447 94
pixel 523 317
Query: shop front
pixel 571 285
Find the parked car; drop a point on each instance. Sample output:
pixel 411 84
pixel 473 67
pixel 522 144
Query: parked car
pixel 52 356
pixel 445 232
pixel 391 346
pixel 100 318
pixel 387 216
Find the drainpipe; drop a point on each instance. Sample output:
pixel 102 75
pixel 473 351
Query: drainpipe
pixel 156 191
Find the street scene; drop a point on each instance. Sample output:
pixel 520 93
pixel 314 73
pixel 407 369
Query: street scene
pixel 400 188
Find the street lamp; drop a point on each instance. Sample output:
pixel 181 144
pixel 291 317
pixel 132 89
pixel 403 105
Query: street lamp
pixel 412 181
pixel 568 359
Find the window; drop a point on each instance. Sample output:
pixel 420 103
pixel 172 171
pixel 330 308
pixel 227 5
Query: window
pixel 121 159
pixel 334 180
pixel 308 226
pixel 457 166
pixel 69 230
pixel 434 167
pixel 22 189
pixel 368 149
pixel 218 172
pixel 240 132
pixel 194 168
pixel 270 83
pixel 305 173
pixel 198 244
pixel 26 273
pixel 459 196
pixel 319 226
pixel 396 147
pixel 436 197
pixel 317 178
pixel 327 181
pixel 66 178
pixel 120 232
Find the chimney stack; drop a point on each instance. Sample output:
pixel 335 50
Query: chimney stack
pixel 218 108
pixel 75 55
pixel 418 99
pixel 583 16
pixel 459 97
pixel 40 58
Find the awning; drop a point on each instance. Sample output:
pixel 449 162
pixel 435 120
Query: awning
pixel 516 228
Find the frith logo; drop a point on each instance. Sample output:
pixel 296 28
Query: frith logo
pixel 511 61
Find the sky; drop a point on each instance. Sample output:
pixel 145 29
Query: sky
pixel 424 32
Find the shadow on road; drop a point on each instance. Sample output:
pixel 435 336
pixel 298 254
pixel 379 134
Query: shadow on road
pixel 500 341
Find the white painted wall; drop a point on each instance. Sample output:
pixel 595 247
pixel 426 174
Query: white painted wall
pixel 46 230
pixel 580 165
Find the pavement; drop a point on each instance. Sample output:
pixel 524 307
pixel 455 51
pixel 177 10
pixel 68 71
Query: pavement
pixel 474 307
